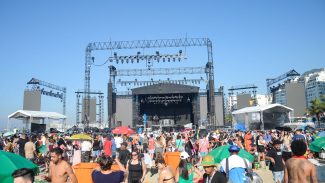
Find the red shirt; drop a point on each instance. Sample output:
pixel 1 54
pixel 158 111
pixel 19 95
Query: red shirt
pixel 151 144
pixel 108 147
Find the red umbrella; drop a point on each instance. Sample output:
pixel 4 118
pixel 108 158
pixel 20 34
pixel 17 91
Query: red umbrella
pixel 122 130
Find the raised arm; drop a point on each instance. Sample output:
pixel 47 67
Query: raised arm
pixel 121 166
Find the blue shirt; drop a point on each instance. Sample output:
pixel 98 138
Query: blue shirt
pixel 114 177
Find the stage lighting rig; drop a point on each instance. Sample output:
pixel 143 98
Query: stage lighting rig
pixel 149 59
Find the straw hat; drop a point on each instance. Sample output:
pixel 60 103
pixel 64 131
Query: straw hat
pixel 208 161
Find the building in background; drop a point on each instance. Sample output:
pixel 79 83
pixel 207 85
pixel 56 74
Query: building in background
pixel 263 99
pixel 291 93
pixel 314 84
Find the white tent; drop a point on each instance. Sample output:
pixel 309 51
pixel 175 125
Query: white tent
pixel 262 117
pixel 29 116
pixel 26 114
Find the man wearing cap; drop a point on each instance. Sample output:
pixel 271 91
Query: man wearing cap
pixel 211 175
pixel 235 166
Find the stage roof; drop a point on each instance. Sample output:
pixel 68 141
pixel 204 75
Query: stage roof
pixel 262 108
pixel 21 114
pixel 165 88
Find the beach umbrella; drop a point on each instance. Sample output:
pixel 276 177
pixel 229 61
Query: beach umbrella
pixel 10 162
pixel 320 134
pixel 123 130
pixel 222 152
pixel 10 133
pixel 80 136
pixel 317 145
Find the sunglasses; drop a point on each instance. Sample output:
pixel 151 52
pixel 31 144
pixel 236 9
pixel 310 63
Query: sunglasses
pixel 208 167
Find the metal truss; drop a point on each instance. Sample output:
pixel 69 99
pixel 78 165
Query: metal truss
pixel 141 44
pixel 243 87
pixel 100 105
pixel 152 82
pixel 161 71
pixel 289 74
pixel 62 96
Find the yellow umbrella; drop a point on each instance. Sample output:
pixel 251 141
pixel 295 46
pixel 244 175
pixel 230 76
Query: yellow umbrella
pixel 80 136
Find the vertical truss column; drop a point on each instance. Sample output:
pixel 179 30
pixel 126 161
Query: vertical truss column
pixel 78 109
pixel 86 106
pixel 64 100
pixel 211 99
pixel 101 109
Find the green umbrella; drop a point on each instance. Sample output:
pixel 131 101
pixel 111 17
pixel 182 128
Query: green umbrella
pixel 317 145
pixel 222 152
pixel 10 162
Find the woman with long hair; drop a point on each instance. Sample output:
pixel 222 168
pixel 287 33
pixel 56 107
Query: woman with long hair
pixel 185 171
pixel 136 168
pixel 165 172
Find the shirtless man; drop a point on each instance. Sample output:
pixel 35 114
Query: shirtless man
pixel 60 171
pixel 298 168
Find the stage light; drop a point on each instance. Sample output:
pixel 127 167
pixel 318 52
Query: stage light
pixel 173 59
pixel 115 54
pixel 180 52
pixel 168 59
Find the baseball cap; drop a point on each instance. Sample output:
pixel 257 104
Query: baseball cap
pixel 234 148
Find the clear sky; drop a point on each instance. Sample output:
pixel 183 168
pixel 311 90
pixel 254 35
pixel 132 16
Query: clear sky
pixel 252 40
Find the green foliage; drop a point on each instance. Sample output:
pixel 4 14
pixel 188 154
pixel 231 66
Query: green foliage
pixel 317 107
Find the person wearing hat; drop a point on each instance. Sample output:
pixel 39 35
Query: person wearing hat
pixel 211 175
pixel 235 166
pixel 185 170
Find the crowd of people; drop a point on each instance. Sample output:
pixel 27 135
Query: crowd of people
pixel 136 155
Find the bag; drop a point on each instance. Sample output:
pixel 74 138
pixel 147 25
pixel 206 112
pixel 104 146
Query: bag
pixel 248 174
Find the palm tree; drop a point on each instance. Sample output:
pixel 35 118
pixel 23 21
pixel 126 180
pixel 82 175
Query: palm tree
pixel 317 108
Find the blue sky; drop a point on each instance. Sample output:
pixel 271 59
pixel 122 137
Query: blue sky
pixel 252 40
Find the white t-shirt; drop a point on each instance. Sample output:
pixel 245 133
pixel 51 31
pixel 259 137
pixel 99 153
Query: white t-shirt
pixel 118 141
pixel 86 146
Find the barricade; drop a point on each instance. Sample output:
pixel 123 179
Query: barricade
pixel 172 159
pixel 83 171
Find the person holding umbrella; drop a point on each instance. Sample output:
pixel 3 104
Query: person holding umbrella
pixel 235 166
